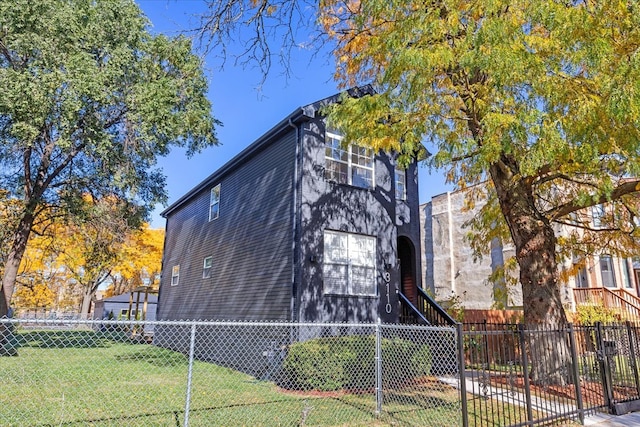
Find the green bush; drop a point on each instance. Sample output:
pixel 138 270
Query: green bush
pixel 336 363
pixel 589 314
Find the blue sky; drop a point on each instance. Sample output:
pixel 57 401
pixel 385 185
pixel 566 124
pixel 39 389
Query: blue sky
pixel 246 108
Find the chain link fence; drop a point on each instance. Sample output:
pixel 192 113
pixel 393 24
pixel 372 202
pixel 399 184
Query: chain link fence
pixel 103 373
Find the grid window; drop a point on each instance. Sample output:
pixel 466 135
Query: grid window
pixel 214 203
pixel 349 264
pixel 351 164
pixel 401 184
pixel 206 267
pixel 175 275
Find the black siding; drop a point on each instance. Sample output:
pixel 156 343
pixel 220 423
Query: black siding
pixel 325 205
pixel 251 244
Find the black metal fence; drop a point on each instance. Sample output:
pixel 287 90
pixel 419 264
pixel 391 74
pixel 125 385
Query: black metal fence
pixel 517 376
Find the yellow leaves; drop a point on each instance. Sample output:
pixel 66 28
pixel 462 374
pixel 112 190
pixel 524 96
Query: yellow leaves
pixel 32 297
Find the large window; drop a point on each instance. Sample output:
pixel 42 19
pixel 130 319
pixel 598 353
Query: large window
pixel 401 184
pixel 349 266
pixel 606 270
pixel 206 267
pixel 351 164
pixel 175 275
pixel 214 203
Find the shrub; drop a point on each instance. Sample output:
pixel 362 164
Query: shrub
pixel 337 363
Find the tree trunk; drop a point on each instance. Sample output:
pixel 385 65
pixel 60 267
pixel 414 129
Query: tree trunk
pixel 11 267
pixel 535 245
pixel 86 302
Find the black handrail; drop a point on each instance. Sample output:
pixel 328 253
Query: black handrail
pixel 409 313
pixel 432 310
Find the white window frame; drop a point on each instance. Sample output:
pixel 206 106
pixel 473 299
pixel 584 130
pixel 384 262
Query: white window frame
pixel 401 183
pixel 597 213
pixel 333 143
pixel 214 203
pixel 608 272
pixel 207 266
pixel 175 275
pixel 350 258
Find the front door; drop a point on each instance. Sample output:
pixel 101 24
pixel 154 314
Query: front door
pixel 406 257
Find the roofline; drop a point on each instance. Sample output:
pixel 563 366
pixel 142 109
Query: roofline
pixel 298 115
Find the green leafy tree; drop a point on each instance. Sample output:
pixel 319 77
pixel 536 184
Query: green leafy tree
pixel 541 98
pixel 90 100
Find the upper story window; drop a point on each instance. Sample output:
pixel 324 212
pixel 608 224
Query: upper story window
pixel 606 270
pixel 214 203
pixel 351 164
pixel 401 184
pixel 206 267
pixel 349 266
pixel 175 275
pixel 597 213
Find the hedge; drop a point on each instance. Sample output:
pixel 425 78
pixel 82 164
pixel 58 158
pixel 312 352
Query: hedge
pixel 348 363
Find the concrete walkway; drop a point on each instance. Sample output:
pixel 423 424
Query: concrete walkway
pixel 604 420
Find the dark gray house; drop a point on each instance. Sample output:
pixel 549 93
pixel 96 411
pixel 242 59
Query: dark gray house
pixel 297 227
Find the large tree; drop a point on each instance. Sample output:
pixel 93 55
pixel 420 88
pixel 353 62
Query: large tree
pixel 90 100
pixel 541 98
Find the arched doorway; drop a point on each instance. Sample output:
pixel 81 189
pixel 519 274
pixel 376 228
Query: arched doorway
pixel 406 259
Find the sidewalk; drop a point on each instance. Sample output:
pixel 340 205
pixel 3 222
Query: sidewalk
pixel 604 420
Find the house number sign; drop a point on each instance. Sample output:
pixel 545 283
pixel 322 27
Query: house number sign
pixel 387 279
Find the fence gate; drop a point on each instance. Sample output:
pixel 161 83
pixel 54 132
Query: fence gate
pixel 617 354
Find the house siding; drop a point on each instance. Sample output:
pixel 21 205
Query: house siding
pixel 250 242
pixel 374 212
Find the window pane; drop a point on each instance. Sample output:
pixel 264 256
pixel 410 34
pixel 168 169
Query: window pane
pixel 335 248
pixel 336 171
pixel 606 269
pixel 335 278
pixel 334 149
pixel 206 267
pixel 361 177
pixel 362 250
pixel 361 156
pixel 214 203
pixel 401 186
pixel 175 274
pixel 363 281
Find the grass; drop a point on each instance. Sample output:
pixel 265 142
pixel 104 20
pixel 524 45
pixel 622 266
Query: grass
pixel 78 378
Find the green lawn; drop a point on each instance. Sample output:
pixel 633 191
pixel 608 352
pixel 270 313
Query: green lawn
pixel 85 378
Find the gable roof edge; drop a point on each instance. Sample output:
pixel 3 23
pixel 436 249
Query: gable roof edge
pixel 298 115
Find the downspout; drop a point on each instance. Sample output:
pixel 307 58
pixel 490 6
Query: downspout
pixel 294 242
pixel 452 270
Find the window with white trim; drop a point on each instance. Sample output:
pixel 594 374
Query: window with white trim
pixel 175 275
pixel 401 183
pixel 351 164
pixel 606 271
pixel 206 267
pixel 597 213
pixel 214 203
pixel 349 266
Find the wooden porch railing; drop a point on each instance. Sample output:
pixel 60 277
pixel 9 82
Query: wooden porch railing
pixel 628 306
pixel 427 311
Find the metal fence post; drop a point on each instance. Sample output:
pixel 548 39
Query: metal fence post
pixel 463 376
pixel 576 373
pixel 525 372
pixel 605 372
pixel 192 346
pixel 378 361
